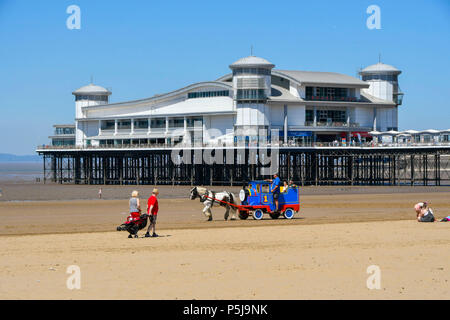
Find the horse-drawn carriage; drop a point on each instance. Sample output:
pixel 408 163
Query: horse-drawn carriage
pixel 256 199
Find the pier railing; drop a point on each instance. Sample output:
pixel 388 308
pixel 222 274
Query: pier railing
pixel 234 145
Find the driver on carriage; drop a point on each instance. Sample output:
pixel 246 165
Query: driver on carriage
pixel 275 189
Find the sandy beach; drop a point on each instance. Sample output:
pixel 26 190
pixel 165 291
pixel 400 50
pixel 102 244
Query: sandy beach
pixel 318 205
pixel 322 254
pixel 327 261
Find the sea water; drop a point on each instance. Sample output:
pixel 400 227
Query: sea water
pixel 21 171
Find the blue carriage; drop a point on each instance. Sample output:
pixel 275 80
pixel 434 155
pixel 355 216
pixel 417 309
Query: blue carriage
pixel 256 199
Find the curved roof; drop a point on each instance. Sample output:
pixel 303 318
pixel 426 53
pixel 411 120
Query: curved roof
pixel 252 61
pixel 380 68
pixel 313 77
pixel 322 78
pixel 92 89
pixel 165 95
pixel 389 133
pixel 430 131
pixel 281 94
pixel 410 132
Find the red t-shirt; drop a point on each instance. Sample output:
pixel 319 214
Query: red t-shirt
pixel 153 201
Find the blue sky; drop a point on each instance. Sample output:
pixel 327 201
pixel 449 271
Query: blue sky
pixel 141 48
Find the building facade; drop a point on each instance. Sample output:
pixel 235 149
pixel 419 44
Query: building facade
pixel 63 135
pixel 302 106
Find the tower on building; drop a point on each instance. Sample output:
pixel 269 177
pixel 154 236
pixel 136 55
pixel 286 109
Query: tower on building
pixel 90 95
pixel 251 88
pixel 383 81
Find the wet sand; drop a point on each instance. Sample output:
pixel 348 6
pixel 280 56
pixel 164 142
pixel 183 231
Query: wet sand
pixel 56 192
pixel 40 217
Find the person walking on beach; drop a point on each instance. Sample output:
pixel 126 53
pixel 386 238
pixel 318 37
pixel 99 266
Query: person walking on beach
pixel 100 193
pixel 152 211
pixel 135 207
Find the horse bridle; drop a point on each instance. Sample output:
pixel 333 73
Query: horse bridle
pixel 197 195
pixel 194 193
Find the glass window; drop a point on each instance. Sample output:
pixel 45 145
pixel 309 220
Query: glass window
pixel 251 94
pixel 158 123
pixel 192 121
pixel 260 71
pixel 331 116
pixel 141 123
pixel 124 124
pixel 208 94
pixel 176 123
pixel 309 115
pixel 63 130
pixel 327 93
pixel 108 125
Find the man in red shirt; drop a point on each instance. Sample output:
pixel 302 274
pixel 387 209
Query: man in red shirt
pixel 152 211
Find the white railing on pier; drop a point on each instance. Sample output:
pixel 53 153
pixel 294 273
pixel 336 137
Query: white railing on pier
pixel 223 145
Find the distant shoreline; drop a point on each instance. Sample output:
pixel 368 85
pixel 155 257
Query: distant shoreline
pixel 20 172
pixel 13 161
pixel 13 158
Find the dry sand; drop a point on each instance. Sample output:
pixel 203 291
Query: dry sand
pixel 324 253
pixel 327 261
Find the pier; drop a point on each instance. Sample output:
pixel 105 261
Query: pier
pixel 401 165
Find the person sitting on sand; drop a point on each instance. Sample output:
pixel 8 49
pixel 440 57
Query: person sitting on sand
pixel 423 212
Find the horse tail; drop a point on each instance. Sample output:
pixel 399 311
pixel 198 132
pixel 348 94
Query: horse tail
pixel 232 200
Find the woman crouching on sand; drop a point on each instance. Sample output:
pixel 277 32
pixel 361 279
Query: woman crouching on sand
pixel 424 212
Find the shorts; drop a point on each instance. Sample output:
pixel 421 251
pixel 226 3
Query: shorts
pixel 428 218
pixel 153 218
pixel 276 195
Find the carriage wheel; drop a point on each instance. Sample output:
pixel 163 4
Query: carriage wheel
pixel 274 215
pixel 289 213
pixel 243 215
pixel 258 214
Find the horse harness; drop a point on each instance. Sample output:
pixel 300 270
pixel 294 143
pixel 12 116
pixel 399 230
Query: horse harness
pixel 212 197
